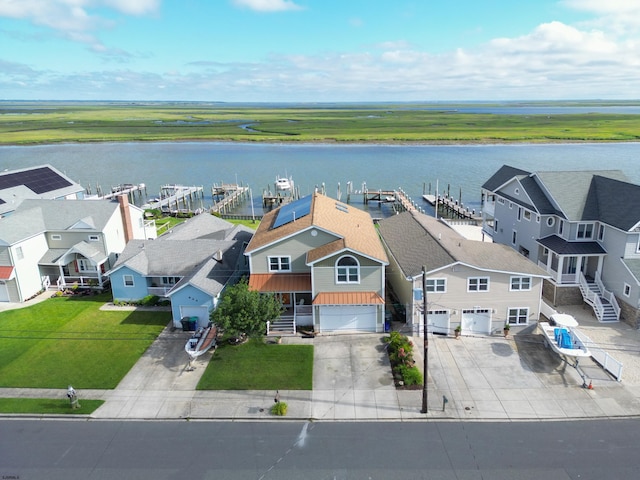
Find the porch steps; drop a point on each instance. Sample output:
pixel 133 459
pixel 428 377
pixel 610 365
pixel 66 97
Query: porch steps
pixel 609 313
pixel 281 327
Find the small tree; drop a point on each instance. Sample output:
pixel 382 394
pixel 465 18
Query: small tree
pixel 246 311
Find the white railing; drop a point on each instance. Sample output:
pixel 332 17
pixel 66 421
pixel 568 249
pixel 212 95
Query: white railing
pixel 606 361
pixel 46 282
pixel 608 295
pixel 159 291
pixel 282 326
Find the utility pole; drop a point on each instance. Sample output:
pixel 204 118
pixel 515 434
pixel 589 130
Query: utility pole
pixel 425 408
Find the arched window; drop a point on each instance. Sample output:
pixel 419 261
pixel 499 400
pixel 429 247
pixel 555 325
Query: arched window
pixel 347 270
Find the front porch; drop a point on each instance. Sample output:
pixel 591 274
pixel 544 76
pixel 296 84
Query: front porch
pixel 82 265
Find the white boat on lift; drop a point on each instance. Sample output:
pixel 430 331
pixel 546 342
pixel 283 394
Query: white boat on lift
pixel 284 184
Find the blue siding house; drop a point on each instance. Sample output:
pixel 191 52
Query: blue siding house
pixel 190 266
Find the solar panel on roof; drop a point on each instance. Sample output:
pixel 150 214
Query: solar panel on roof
pixel 39 180
pixel 293 211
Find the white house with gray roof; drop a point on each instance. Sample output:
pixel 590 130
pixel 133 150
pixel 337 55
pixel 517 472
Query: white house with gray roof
pixel 190 266
pixel 582 227
pixel 479 286
pixel 63 243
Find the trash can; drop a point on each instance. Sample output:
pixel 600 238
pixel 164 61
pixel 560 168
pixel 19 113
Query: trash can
pixel 193 323
pixel 185 324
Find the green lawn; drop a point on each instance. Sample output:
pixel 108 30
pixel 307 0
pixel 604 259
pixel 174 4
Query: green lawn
pixel 256 365
pixel 69 341
pixel 47 406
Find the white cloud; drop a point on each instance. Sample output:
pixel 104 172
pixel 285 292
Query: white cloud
pixel 268 5
pixel 620 16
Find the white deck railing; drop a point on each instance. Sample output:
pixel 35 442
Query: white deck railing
pixel 606 361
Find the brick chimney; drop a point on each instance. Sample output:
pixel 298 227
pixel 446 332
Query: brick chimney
pixel 123 200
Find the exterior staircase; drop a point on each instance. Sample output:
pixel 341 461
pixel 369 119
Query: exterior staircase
pixel 285 325
pixel 604 303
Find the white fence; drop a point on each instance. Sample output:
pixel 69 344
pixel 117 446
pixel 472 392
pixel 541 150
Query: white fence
pixel 606 361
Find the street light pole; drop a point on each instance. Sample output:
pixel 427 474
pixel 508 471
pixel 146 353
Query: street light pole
pixel 425 408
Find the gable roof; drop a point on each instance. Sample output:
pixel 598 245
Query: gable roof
pixel 34 216
pixel 353 228
pixel 203 226
pixel 416 240
pixel 572 191
pixel 502 176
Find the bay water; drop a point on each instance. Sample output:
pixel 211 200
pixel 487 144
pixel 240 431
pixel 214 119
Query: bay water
pixel 416 169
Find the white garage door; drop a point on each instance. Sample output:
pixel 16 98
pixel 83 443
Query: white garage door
pixel 201 312
pixel 476 321
pixel 438 321
pixel 348 317
pixel 4 293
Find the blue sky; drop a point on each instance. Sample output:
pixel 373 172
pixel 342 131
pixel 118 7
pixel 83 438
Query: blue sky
pixel 319 50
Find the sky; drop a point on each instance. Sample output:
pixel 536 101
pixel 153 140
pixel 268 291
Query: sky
pixel 319 50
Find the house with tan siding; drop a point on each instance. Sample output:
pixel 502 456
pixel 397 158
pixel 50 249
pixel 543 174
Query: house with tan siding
pixel 324 259
pixel 479 286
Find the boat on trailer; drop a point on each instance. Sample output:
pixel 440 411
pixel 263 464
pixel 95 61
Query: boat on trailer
pixel 201 341
pixel 559 334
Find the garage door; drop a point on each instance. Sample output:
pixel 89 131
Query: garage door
pixel 476 321
pixel 438 322
pixel 348 318
pixel 201 312
pixel 4 293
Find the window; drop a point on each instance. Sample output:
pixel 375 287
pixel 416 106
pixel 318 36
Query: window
pixel 551 221
pixel 85 265
pixel 561 228
pixel 514 237
pixel 518 316
pixel 128 280
pixel 478 284
pixel 519 213
pixel 94 238
pixel 601 232
pixel 520 283
pixel 501 200
pixel 170 280
pixel 495 225
pixel 279 264
pixel 19 253
pixel 627 290
pixel 585 230
pixel 347 270
pixel 436 285
pixel 527 215
pixel 56 237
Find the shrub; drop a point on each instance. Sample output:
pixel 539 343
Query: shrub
pixel 411 376
pixel 279 408
pixel 149 300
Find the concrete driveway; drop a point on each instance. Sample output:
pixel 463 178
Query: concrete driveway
pixel 352 378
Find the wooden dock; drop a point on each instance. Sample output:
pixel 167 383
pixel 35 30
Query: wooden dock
pixel 231 198
pixel 179 199
pixel 448 207
pixel 129 189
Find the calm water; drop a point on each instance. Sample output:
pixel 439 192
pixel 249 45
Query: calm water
pixel 413 168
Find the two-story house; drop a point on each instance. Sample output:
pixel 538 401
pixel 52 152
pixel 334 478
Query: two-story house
pixel 63 243
pixel 479 286
pixel 325 261
pixel 190 266
pixel 582 227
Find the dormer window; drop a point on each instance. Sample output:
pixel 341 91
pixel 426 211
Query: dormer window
pixel 347 270
pixel 585 231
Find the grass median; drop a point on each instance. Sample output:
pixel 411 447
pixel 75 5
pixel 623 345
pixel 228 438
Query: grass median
pixel 256 365
pixel 47 406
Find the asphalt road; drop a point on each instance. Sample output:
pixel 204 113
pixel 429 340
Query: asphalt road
pixel 586 450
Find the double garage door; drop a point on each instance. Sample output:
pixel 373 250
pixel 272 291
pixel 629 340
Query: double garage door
pixel 361 318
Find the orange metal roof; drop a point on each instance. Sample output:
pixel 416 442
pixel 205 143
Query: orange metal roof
pixel 5 273
pixel 348 298
pixel 280 282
